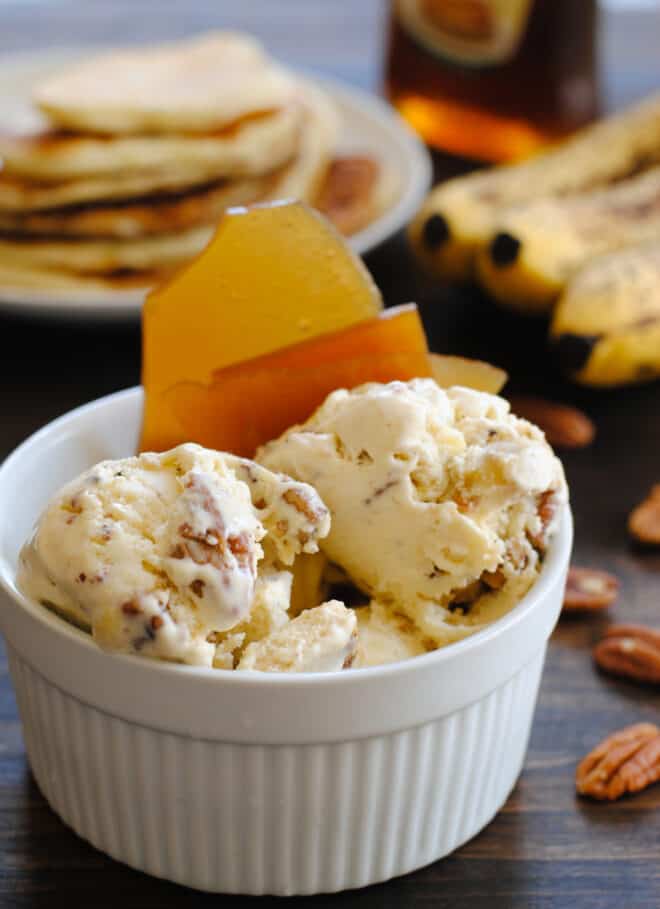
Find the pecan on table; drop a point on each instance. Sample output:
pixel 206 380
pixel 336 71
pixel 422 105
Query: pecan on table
pixel 625 762
pixel 631 651
pixel 644 520
pixel 564 426
pixel 588 590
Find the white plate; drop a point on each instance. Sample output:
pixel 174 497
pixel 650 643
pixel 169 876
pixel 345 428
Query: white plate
pixel 370 126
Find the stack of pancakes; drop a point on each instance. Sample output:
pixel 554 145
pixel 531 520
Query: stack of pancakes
pixel 134 156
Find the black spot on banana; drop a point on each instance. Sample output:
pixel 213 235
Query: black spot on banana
pixel 605 329
pixel 456 220
pixel 554 238
pixel 572 351
pixel 504 249
pixel 435 232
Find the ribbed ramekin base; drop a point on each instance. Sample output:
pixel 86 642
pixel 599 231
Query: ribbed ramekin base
pixel 255 819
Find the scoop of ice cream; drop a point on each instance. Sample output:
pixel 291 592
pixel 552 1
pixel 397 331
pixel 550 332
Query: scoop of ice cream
pixel 438 498
pixel 322 639
pixel 160 553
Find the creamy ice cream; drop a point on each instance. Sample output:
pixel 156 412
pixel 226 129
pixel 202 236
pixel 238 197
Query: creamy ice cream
pixel 167 555
pixel 270 611
pixel 442 504
pixel 437 505
pixel 322 639
pixel 386 635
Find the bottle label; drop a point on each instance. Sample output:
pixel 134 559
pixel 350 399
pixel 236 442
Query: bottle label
pixel 468 32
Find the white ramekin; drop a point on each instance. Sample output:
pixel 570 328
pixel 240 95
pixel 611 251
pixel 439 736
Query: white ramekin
pixel 247 784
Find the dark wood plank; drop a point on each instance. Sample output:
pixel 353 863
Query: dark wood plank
pixel 546 849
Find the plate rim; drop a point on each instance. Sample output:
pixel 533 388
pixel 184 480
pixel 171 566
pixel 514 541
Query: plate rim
pixel 122 305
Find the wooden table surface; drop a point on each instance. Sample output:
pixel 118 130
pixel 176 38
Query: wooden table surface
pixel 546 848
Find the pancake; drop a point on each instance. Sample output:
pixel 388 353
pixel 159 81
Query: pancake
pixel 197 85
pixel 318 139
pixel 355 190
pixel 250 147
pixel 19 195
pixel 98 257
pixel 167 213
pixel 300 179
pixel 111 230
pixel 83 207
pixel 82 255
pixel 44 281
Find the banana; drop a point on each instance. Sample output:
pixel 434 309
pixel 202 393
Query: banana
pixel 605 329
pixel 456 219
pixel 536 248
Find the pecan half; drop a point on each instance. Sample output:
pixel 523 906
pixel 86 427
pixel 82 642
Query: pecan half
pixel 588 589
pixel 644 521
pixel 626 761
pixel 347 194
pixel 631 651
pixel 564 426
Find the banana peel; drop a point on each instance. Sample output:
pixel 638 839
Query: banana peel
pixel 530 256
pixel 537 248
pixel 457 219
pixel 451 226
pixel 605 329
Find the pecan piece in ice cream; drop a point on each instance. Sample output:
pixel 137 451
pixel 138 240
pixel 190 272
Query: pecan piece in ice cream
pixel 292 513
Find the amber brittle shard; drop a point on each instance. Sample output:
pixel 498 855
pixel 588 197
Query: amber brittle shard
pixel 477 374
pixel 272 276
pixel 255 401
